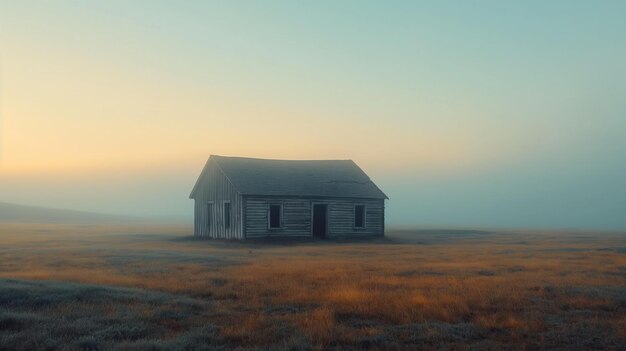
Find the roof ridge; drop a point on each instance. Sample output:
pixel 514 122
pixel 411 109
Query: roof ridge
pixel 278 159
pixel 317 178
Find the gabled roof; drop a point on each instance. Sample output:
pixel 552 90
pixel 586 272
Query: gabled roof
pixel 302 178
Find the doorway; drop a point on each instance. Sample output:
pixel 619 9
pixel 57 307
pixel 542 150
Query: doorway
pixel 320 220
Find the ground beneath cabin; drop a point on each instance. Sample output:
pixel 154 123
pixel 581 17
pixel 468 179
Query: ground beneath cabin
pixel 80 287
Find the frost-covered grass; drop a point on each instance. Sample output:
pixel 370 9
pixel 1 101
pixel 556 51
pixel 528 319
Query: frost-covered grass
pixel 150 288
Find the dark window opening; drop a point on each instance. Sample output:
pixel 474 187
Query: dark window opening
pixel 320 220
pixel 359 216
pixel 226 214
pixel 275 214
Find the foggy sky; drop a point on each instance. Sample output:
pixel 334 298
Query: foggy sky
pixel 465 114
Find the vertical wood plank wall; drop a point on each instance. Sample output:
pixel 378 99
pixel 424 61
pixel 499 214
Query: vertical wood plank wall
pixel 217 188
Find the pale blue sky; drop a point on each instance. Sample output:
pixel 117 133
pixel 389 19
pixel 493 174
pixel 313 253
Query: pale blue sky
pixel 487 113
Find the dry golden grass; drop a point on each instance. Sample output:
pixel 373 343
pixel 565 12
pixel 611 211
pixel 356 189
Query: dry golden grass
pixel 517 289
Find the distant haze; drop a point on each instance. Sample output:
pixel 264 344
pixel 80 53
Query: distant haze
pixel 483 114
pixel 32 214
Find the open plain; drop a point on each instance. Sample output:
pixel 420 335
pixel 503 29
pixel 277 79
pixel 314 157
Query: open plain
pixel 143 287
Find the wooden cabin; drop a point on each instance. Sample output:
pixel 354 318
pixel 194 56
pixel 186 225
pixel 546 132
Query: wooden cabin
pixel 239 198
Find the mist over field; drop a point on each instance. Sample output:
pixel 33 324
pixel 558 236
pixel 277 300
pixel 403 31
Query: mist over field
pixel 584 193
pixel 493 133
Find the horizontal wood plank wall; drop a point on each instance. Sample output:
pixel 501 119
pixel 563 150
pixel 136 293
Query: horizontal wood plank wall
pixel 341 218
pixel 296 219
pixel 217 188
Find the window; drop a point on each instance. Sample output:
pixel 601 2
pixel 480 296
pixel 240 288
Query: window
pixel 275 216
pixel 226 214
pixel 209 215
pixel 359 216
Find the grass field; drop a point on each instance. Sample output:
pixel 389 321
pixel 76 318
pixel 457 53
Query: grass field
pixel 150 288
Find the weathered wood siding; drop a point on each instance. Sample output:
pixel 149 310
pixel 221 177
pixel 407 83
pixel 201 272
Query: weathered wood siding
pixel 215 187
pixel 297 217
pixel 341 218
